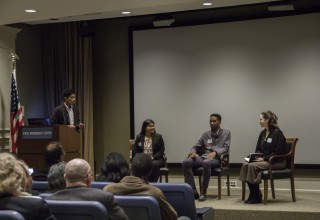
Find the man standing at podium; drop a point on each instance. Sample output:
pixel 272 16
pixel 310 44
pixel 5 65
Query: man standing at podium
pixel 67 113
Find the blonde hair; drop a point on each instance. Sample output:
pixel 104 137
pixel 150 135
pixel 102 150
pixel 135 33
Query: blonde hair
pixel 11 176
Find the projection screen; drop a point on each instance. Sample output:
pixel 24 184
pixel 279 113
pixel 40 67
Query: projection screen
pixel 238 69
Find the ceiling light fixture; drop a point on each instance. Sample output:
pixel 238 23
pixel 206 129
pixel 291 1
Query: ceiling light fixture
pixel 30 11
pixel 207 3
pixel 126 12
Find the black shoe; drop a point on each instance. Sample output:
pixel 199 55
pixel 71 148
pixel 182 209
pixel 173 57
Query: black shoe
pixel 248 200
pixel 202 198
pixel 196 195
pixel 256 200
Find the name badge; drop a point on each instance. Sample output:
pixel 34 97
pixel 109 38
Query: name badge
pixel 269 140
pixel 209 141
pixel 139 144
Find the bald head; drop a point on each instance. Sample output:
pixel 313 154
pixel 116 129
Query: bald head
pixel 78 171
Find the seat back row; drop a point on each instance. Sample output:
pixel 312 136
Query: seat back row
pixel 180 196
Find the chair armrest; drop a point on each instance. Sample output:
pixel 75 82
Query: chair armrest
pixel 224 156
pixel 282 156
pixel 224 160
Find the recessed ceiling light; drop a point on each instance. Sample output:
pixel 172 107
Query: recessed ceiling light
pixel 30 11
pixel 126 12
pixel 207 3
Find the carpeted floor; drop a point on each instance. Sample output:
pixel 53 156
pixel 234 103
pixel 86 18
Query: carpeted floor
pixel 307 205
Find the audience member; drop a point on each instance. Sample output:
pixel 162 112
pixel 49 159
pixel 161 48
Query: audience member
pixel 114 168
pixel 56 177
pixel 151 143
pixel 26 181
pixel 206 153
pixel 271 141
pixel 12 195
pixel 53 154
pixel 137 184
pixel 78 176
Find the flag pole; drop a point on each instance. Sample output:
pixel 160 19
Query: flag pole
pixel 16 112
pixel 14 57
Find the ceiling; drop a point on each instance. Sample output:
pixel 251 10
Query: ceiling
pixel 53 11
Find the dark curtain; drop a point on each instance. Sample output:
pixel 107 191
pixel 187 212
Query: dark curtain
pixel 67 63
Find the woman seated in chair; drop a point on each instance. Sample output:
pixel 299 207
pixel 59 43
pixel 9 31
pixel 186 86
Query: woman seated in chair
pixel 151 143
pixel 114 168
pixel 271 141
pixel 13 196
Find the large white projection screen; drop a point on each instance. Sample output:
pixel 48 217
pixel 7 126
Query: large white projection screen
pixel 238 69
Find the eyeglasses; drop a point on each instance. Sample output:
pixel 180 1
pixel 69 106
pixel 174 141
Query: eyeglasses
pixel 90 173
pixel 82 178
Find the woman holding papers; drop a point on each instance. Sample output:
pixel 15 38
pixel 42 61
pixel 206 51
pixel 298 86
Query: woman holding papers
pixel 271 141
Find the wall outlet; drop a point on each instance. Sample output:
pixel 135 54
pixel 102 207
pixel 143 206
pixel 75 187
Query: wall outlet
pixel 233 183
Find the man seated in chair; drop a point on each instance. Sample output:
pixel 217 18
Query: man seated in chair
pixel 78 178
pixel 137 184
pixel 206 153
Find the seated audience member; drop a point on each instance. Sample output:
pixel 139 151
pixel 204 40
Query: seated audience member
pixel 12 195
pixel 114 168
pixel 151 143
pixel 271 141
pixel 5 155
pixel 53 154
pixel 137 184
pixel 56 177
pixel 26 181
pixel 78 178
pixel 206 153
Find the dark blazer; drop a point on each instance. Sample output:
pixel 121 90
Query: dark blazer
pixel 29 207
pixel 41 174
pixel 91 194
pixel 60 115
pixel 157 146
pixel 274 144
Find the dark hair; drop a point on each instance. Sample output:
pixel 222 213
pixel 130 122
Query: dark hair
pixel 114 168
pixel 53 153
pixel 218 116
pixel 145 124
pixel 272 119
pixel 68 92
pixel 56 179
pixel 141 165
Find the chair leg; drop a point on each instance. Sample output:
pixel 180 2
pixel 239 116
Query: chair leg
pixel 167 178
pixel 272 188
pixel 265 197
pixel 219 187
pixel 228 184
pixel 293 190
pixel 243 190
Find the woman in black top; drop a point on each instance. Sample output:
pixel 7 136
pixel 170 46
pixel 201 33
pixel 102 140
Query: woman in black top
pixel 151 143
pixel 271 141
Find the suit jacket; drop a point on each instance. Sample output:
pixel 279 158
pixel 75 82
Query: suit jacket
pixel 60 115
pixel 157 146
pixel 30 208
pixel 132 185
pixel 91 194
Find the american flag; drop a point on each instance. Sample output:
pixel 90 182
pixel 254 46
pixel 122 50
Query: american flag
pixel 15 114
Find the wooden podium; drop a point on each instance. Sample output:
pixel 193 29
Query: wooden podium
pixel 33 140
